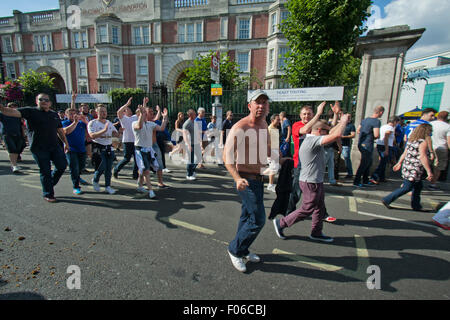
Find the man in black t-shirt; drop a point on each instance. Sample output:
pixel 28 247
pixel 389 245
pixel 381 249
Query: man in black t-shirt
pixel 226 125
pixel 347 137
pixel 13 136
pixel 45 127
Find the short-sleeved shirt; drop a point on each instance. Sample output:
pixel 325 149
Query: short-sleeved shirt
pixel 43 127
pixel 126 123
pixel 312 158
pixel 226 125
pixel 385 128
pixel 298 139
pixel 349 128
pixel 366 137
pixel 441 130
pixel 190 126
pixel 144 137
pixel 95 126
pixel 11 125
pixel 284 129
pixel 410 128
pixel 77 137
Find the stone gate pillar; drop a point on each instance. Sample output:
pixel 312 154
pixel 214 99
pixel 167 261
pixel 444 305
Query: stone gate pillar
pixel 382 52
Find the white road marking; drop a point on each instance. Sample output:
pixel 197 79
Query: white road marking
pixel 397 219
pixel 352 204
pixel 308 261
pixel 189 226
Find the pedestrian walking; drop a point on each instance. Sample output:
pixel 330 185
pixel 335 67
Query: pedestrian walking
pixel 45 128
pixel 347 138
pixel 285 133
pixel 385 148
pixel 413 162
pixel 179 147
pixel 274 133
pixel 192 133
pixel 441 144
pixel 13 135
pixel 245 166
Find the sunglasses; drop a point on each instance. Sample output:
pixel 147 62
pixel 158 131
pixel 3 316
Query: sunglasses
pixel 44 100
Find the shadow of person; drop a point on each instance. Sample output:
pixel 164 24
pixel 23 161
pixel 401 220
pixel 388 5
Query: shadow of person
pixel 21 296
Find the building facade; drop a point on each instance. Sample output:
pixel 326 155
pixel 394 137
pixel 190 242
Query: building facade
pixel 432 93
pixel 95 45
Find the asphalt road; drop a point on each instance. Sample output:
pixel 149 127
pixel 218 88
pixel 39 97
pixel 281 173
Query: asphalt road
pixel 126 246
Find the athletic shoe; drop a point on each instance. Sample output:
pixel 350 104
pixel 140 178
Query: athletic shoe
pixel 141 189
pixel 83 182
pixel 360 185
pixel 16 169
pixel 151 194
pixel 278 229
pixel 369 184
pixel 191 178
pixel 116 174
pixel 165 170
pixel 330 219
pixel 271 187
pixel 322 238
pixel 238 263
pixel 252 257
pixel 110 190
pixel 50 199
pixel 95 185
pixel 77 191
pixel 373 181
pixel 445 227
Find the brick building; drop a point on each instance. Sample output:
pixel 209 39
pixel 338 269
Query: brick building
pixel 96 45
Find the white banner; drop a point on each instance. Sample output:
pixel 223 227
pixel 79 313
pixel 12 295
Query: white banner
pixel 305 94
pixel 84 98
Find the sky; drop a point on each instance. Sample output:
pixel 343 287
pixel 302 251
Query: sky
pixel 430 14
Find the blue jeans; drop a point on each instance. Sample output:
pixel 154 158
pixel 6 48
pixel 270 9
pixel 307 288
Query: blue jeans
pixel 346 155
pixel 105 167
pixel 252 220
pixel 76 162
pixel 407 186
pixel 364 166
pixel 329 162
pixel 379 173
pixel 128 150
pixel 50 178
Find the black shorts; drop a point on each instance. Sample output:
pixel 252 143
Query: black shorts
pixel 14 144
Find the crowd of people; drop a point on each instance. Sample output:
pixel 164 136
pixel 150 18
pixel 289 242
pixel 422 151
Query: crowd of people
pixel 249 150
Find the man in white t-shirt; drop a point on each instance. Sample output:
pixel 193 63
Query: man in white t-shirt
pixel 101 131
pixel 126 118
pixel 385 145
pixel 143 140
pixel 441 144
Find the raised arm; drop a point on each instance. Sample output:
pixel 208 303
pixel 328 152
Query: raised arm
pixel 72 102
pixel 337 133
pixel 10 112
pixel 307 128
pixel 140 123
pixel 121 111
pixel 163 125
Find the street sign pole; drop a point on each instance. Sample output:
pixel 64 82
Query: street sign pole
pixel 215 76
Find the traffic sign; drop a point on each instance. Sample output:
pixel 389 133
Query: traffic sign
pixel 216 89
pixel 215 67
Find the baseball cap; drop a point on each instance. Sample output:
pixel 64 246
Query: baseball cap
pixel 256 94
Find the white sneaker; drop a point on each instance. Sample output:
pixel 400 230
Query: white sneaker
pixel 110 190
pixel 191 178
pixel 238 263
pixel 16 169
pixel 141 189
pixel 151 194
pixel 271 187
pixel 166 170
pixel 253 257
pixel 95 185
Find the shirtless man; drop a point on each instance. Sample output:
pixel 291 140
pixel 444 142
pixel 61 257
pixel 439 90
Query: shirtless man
pixel 246 143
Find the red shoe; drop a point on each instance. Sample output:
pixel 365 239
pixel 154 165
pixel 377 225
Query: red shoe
pixel 374 181
pixel 441 225
pixel 330 219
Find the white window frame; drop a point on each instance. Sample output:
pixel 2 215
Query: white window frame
pixel 114 65
pixel 119 38
pixel 141 34
pixel 279 58
pixel 248 52
pixel 273 23
pixel 271 59
pixel 84 44
pixel 83 84
pixel 238 24
pixel 157 32
pixel 80 62
pixel 39 46
pixel 196 37
pixel 283 12
pixel 100 38
pixel 100 64
pixel 224 28
pixel 7 48
pixel 138 65
pixel 8 70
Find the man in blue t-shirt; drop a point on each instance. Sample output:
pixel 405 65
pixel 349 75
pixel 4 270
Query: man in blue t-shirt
pixel 201 112
pixel 75 129
pixel 286 131
pixel 427 117
pixel 368 131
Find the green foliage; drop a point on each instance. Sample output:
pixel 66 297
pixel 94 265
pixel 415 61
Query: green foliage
pixel 198 76
pixel 320 35
pixel 34 83
pixel 120 97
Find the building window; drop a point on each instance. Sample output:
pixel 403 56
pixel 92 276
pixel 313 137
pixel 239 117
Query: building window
pixel 7 44
pixel 143 86
pixel 224 28
pixel 80 40
pixel 82 68
pixel 116 64
pixel 141 35
pixel 433 95
pixel 142 66
pixel 242 60
pixel 244 28
pixel 42 43
pixel 104 64
pixel 282 51
pixel 115 34
pixel 102 34
pixel 271 59
pixel 273 25
pixel 284 16
pixel 82 88
pixel 105 88
pixel 11 70
pixel 190 32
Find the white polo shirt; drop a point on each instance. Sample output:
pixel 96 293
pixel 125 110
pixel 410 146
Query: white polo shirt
pixel 126 123
pixel 96 126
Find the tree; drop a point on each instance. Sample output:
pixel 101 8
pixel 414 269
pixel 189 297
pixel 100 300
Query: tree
pixel 34 83
pixel 198 76
pixel 320 35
